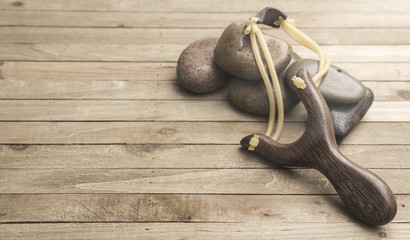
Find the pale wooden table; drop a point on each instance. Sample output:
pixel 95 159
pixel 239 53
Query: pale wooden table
pixel 99 142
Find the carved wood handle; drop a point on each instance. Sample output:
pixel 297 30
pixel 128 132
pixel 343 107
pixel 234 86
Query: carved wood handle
pixel 366 195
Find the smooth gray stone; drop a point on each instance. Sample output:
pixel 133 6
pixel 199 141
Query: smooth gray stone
pixel 196 69
pixel 233 53
pixel 251 96
pixel 337 85
pixel 346 117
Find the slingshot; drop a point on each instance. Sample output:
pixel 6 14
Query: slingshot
pixel 366 195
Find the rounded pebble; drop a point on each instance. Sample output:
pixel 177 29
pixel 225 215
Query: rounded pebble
pixel 196 69
pixel 234 54
pixel 251 96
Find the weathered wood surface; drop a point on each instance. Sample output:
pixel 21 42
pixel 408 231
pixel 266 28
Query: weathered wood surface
pixel 274 209
pixel 109 19
pixel 52 35
pixel 179 132
pixel 152 52
pixel 220 181
pixel 166 110
pixel 152 156
pixel 146 90
pixel 165 71
pixel 208 6
pixel 206 231
pixel 90 148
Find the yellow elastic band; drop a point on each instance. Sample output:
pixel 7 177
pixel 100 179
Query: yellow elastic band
pixel 324 64
pixel 257 36
pixel 255 32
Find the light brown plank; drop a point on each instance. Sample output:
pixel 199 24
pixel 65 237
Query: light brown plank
pixel 171 52
pixel 126 89
pixel 72 71
pixel 389 91
pixel 155 110
pixel 210 181
pixel 53 35
pixel 207 6
pixel 176 156
pixel 147 89
pixel 304 19
pixel 179 132
pixel 272 209
pixel 153 71
pixel 87 52
pixel 205 231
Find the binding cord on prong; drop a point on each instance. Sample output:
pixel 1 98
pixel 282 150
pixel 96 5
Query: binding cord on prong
pixel 256 36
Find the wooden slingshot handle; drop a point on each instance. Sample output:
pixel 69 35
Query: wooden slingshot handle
pixel 366 195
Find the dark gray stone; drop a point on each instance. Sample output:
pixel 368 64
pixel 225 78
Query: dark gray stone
pixel 251 96
pixel 196 69
pixel 337 85
pixel 234 54
pixel 346 117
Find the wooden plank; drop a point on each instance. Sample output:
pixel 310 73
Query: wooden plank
pixel 175 156
pixel 87 52
pixel 205 231
pixel 197 181
pixel 146 89
pixel 165 71
pixel 394 111
pixel 166 110
pixel 304 19
pixel 125 89
pixel 324 36
pixel 71 71
pixel 171 52
pixel 178 208
pixel 179 132
pixel 389 91
pixel 207 6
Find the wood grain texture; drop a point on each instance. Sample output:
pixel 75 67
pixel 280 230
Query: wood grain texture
pixel 143 172
pixel 179 132
pixel 185 110
pixel 109 19
pixel 100 89
pixel 165 71
pixel 170 52
pixel 52 35
pixel 209 181
pixel 208 6
pixel 273 209
pixel 146 90
pixel 152 156
pixel 206 231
